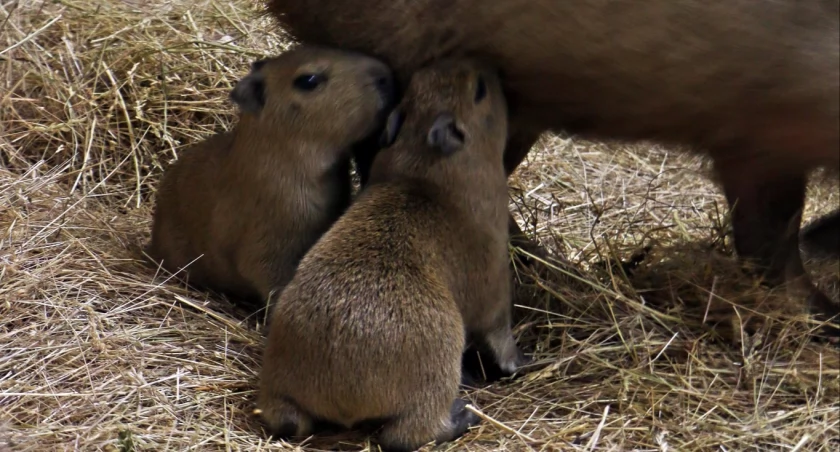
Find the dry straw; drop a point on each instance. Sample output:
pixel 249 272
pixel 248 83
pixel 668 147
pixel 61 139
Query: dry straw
pixel 99 351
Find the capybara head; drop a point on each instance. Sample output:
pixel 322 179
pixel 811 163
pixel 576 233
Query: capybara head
pixel 321 93
pixel 452 107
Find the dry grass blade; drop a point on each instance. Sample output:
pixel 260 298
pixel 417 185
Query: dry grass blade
pixel 100 352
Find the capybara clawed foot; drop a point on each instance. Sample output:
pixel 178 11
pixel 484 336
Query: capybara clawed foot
pixel 283 420
pixel 504 348
pixel 462 419
pixel 491 358
pixel 522 360
pixel 411 431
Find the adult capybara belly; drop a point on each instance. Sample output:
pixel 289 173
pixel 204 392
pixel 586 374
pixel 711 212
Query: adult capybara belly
pixel 751 74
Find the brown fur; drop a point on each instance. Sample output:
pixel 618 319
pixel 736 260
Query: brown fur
pixel 373 324
pixel 753 84
pixel 252 201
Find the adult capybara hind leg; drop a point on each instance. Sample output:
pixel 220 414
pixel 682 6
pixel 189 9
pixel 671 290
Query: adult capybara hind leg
pixel 411 430
pixel 767 211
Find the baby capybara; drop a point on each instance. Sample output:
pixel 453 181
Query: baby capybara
pixel 239 210
pixel 753 84
pixel 373 325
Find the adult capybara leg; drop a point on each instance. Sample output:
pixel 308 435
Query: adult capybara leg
pixel 519 143
pixel 822 236
pixel 767 211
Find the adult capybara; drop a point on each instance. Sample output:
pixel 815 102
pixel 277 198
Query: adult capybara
pixel 239 210
pixel 753 84
pixel 373 324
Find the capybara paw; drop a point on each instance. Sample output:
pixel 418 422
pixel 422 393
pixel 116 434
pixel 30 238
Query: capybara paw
pixel 509 366
pixel 285 421
pixel 513 363
pixel 462 418
pixel 284 430
pixel 522 360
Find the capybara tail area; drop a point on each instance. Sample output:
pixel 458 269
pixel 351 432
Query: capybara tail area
pixel 821 237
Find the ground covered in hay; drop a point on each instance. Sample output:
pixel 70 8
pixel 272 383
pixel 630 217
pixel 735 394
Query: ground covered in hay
pixel 98 351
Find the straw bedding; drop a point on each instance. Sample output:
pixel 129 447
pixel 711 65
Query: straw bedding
pixel 100 351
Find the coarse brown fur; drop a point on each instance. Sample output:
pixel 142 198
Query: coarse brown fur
pixel 373 324
pixel 240 209
pixel 753 84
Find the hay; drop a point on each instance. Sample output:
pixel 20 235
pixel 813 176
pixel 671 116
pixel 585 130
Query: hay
pixel 101 352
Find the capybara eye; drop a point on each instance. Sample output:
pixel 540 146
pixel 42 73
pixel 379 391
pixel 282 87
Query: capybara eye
pixel 480 89
pixel 309 82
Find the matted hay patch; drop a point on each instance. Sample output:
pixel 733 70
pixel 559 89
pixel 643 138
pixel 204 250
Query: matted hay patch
pixel 100 352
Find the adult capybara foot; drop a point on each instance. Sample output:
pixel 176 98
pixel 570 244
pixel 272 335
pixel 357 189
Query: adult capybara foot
pixel 462 419
pixel 283 420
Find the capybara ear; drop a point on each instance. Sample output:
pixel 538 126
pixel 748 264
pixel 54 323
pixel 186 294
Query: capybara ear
pixel 445 134
pixel 249 93
pixel 392 128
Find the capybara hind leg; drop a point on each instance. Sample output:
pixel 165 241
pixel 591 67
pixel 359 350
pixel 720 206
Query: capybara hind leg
pixel 284 419
pixel 767 211
pixel 822 236
pixel 411 430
